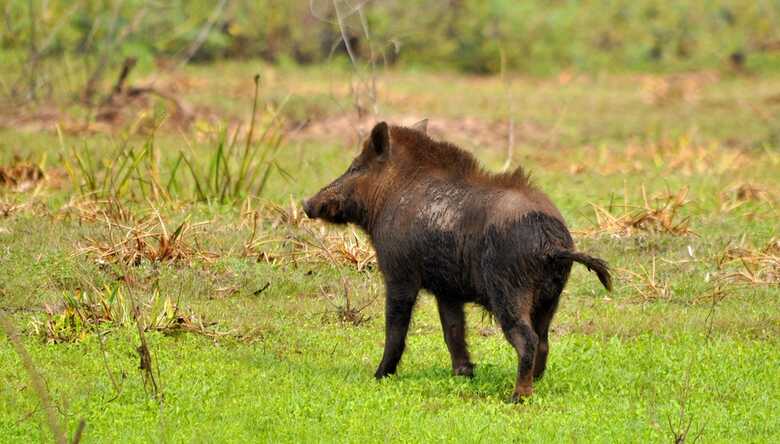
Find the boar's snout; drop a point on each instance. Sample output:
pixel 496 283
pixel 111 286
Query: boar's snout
pixel 334 203
pixel 308 208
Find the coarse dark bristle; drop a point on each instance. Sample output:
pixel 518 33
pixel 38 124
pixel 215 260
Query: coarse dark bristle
pixel 450 158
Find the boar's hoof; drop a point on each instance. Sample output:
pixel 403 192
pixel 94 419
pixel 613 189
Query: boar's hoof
pixel 381 373
pixel 466 370
pixel 521 394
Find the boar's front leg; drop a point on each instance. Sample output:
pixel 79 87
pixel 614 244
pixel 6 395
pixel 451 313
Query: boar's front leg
pixel 453 323
pixel 399 304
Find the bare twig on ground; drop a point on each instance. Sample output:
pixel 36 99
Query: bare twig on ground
pixel 79 432
pixel 122 96
pixel 364 92
pixel 681 428
pixel 510 143
pixel 117 39
pixel 146 364
pixel 372 92
pixel 346 311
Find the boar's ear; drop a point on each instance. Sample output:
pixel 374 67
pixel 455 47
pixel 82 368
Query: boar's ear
pixel 380 139
pixel 421 126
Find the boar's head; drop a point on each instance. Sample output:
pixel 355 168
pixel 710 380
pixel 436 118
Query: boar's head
pixel 347 199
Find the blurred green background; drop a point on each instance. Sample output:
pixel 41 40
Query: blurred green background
pixel 536 36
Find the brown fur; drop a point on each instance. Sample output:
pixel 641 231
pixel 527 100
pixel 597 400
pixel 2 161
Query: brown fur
pixel 439 222
pixel 422 152
pixel 417 152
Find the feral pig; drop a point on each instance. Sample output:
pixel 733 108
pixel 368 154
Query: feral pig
pixel 439 222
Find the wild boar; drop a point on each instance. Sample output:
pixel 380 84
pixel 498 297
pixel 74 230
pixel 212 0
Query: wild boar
pixel 439 222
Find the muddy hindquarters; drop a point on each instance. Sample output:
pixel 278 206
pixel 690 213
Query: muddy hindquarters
pixel 523 282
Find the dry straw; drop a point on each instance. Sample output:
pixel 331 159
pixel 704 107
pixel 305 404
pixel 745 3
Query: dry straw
pixel 130 241
pixel 749 265
pixel 21 176
pixel 657 215
pixel 306 241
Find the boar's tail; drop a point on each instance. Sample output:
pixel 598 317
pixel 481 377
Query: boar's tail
pixel 593 263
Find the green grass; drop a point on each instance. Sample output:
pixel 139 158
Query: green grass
pixel 285 368
pixel 309 382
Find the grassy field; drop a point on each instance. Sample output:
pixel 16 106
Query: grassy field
pixel 263 326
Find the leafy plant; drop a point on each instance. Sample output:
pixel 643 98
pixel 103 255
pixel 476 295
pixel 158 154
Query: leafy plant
pixel 233 173
pixel 79 314
pixel 127 173
pixel 229 175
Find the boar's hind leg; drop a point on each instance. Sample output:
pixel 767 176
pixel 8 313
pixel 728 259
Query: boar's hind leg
pixel 518 331
pixel 398 312
pixel 453 323
pixel 543 313
pixel 541 321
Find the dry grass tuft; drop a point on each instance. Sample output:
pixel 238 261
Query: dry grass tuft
pixel 750 266
pixel 648 285
pixel 21 176
pixel 738 195
pixel 307 241
pixel 337 248
pixel 145 240
pixel 666 90
pixel 660 214
pixel 292 215
pixel 27 204
pixel 350 248
pixel 7 208
pixel 684 156
pixel 108 211
pixel 345 309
